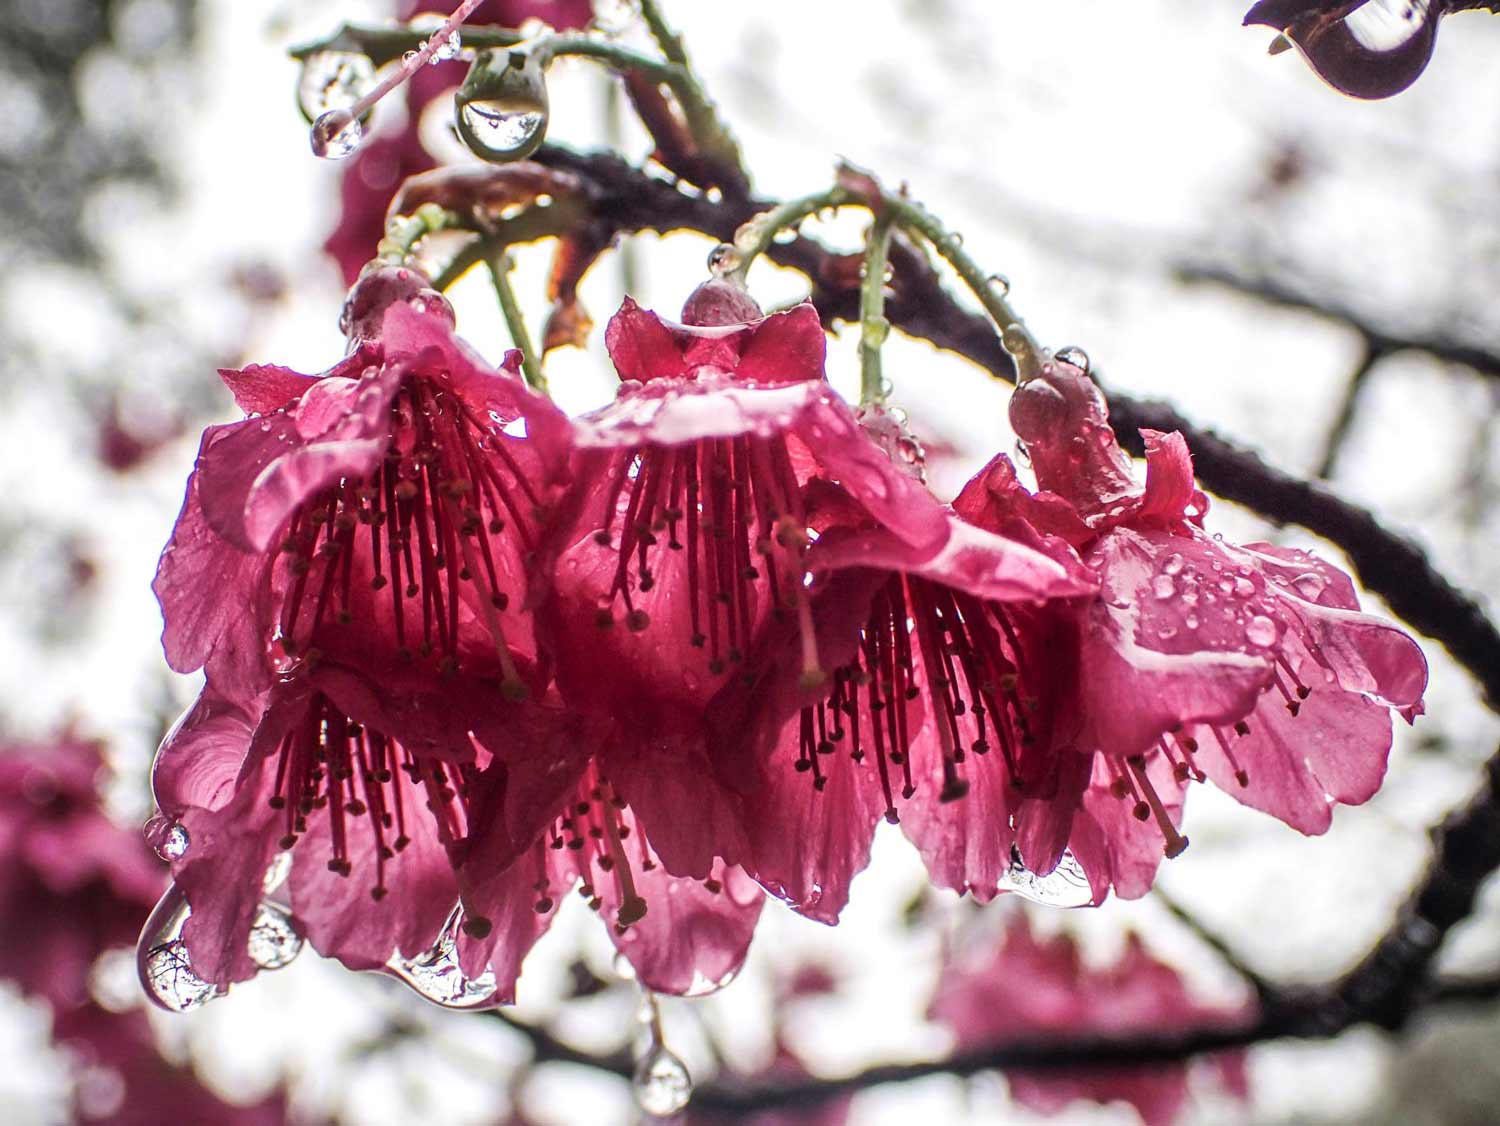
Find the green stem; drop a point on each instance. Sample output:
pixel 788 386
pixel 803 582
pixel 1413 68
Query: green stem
pixel 403 232
pixel 873 327
pixel 703 122
pixel 757 234
pixel 1014 334
pixel 618 58
pixel 531 368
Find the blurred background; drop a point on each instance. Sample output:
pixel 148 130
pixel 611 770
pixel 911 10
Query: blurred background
pixel 1297 270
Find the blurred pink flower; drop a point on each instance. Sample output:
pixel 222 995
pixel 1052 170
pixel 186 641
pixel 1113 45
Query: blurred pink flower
pixel 1029 986
pixel 74 883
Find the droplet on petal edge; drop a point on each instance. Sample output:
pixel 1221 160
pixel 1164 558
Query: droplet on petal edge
pixel 274 939
pixel 162 961
pixel 1067 885
pixel 169 838
pixel 437 975
pixel 336 134
pixel 662 1084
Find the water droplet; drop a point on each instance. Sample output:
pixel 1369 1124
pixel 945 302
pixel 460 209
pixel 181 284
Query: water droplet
pixel 333 80
pixel 276 872
pixel 169 838
pixel 437 975
pixel 1075 356
pixel 446 49
pixel 1243 587
pixel 1172 564
pixel 274 939
pixel 623 969
pixel 1163 587
pixel 1000 284
pixel 1067 885
pixel 336 134
pixel 1015 339
pixel 724 259
pixel 1309 585
pixel 1260 630
pixel 1191 621
pixel 662 1084
pixel 499 132
pixel 162 961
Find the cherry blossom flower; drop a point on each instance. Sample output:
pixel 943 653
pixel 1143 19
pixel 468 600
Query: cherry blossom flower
pixel 1026 985
pixel 928 681
pixel 683 531
pixel 379 512
pixel 1198 659
pixel 74 883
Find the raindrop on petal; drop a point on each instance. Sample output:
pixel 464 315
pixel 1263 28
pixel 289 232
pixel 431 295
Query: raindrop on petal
pixel 1172 564
pixel 1260 630
pixel 1163 587
pixel 169 838
pixel 438 976
pixel 274 939
pixel 162 961
pixel 662 1084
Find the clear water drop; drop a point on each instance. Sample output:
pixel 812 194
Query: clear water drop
pixel 1260 630
pixel 503 132
pixel 1163 587
pixel 333 80
pixel 1191 621
pixel 336 134
pixel 446 49
pixel 276 872
pixel 438 976
pixel 724 259
pixel 1067 885
pixel 1000 284
pixel 1075 356
pixel 1309 585
pixel 162 961
pixel 1172 564
pixel 169 838
pixel 1243 587
pixel 274 938
pixel 662 1084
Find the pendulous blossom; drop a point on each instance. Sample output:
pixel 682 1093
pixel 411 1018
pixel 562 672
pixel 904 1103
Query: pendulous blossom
pixel 926 701
pixel 1026 985
pixel 1198 659
pixel 378 511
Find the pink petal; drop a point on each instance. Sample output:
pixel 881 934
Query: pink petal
pixel 691 940
pixel 1169 477
pixel 785 346
pixel 263 388
pixel 640 345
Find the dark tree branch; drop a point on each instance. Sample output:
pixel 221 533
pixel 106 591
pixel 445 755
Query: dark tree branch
pixel 1378 340
pixel 1338 433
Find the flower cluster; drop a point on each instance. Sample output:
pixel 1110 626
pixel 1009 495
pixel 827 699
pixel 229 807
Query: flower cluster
pixel 464 654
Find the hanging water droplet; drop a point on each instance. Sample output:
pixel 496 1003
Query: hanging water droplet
pixel 333 80
pixel 336 134
pixel 623 969
pixel 1075 356
pixel 502 132
pixel 1260 630
pixel 662 1084
pixel 724 259
pixel 162 961
pixel 502 106
pixel 1067 885
pixel 438 976
pixel 169 838
pixel 1163 587
pixel 1172 564
pixel 276 872
pixel 1000 284
pixel 274 939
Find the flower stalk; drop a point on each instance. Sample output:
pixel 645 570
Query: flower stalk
pixel 500 265
pixel 757 234
pixel 873 326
